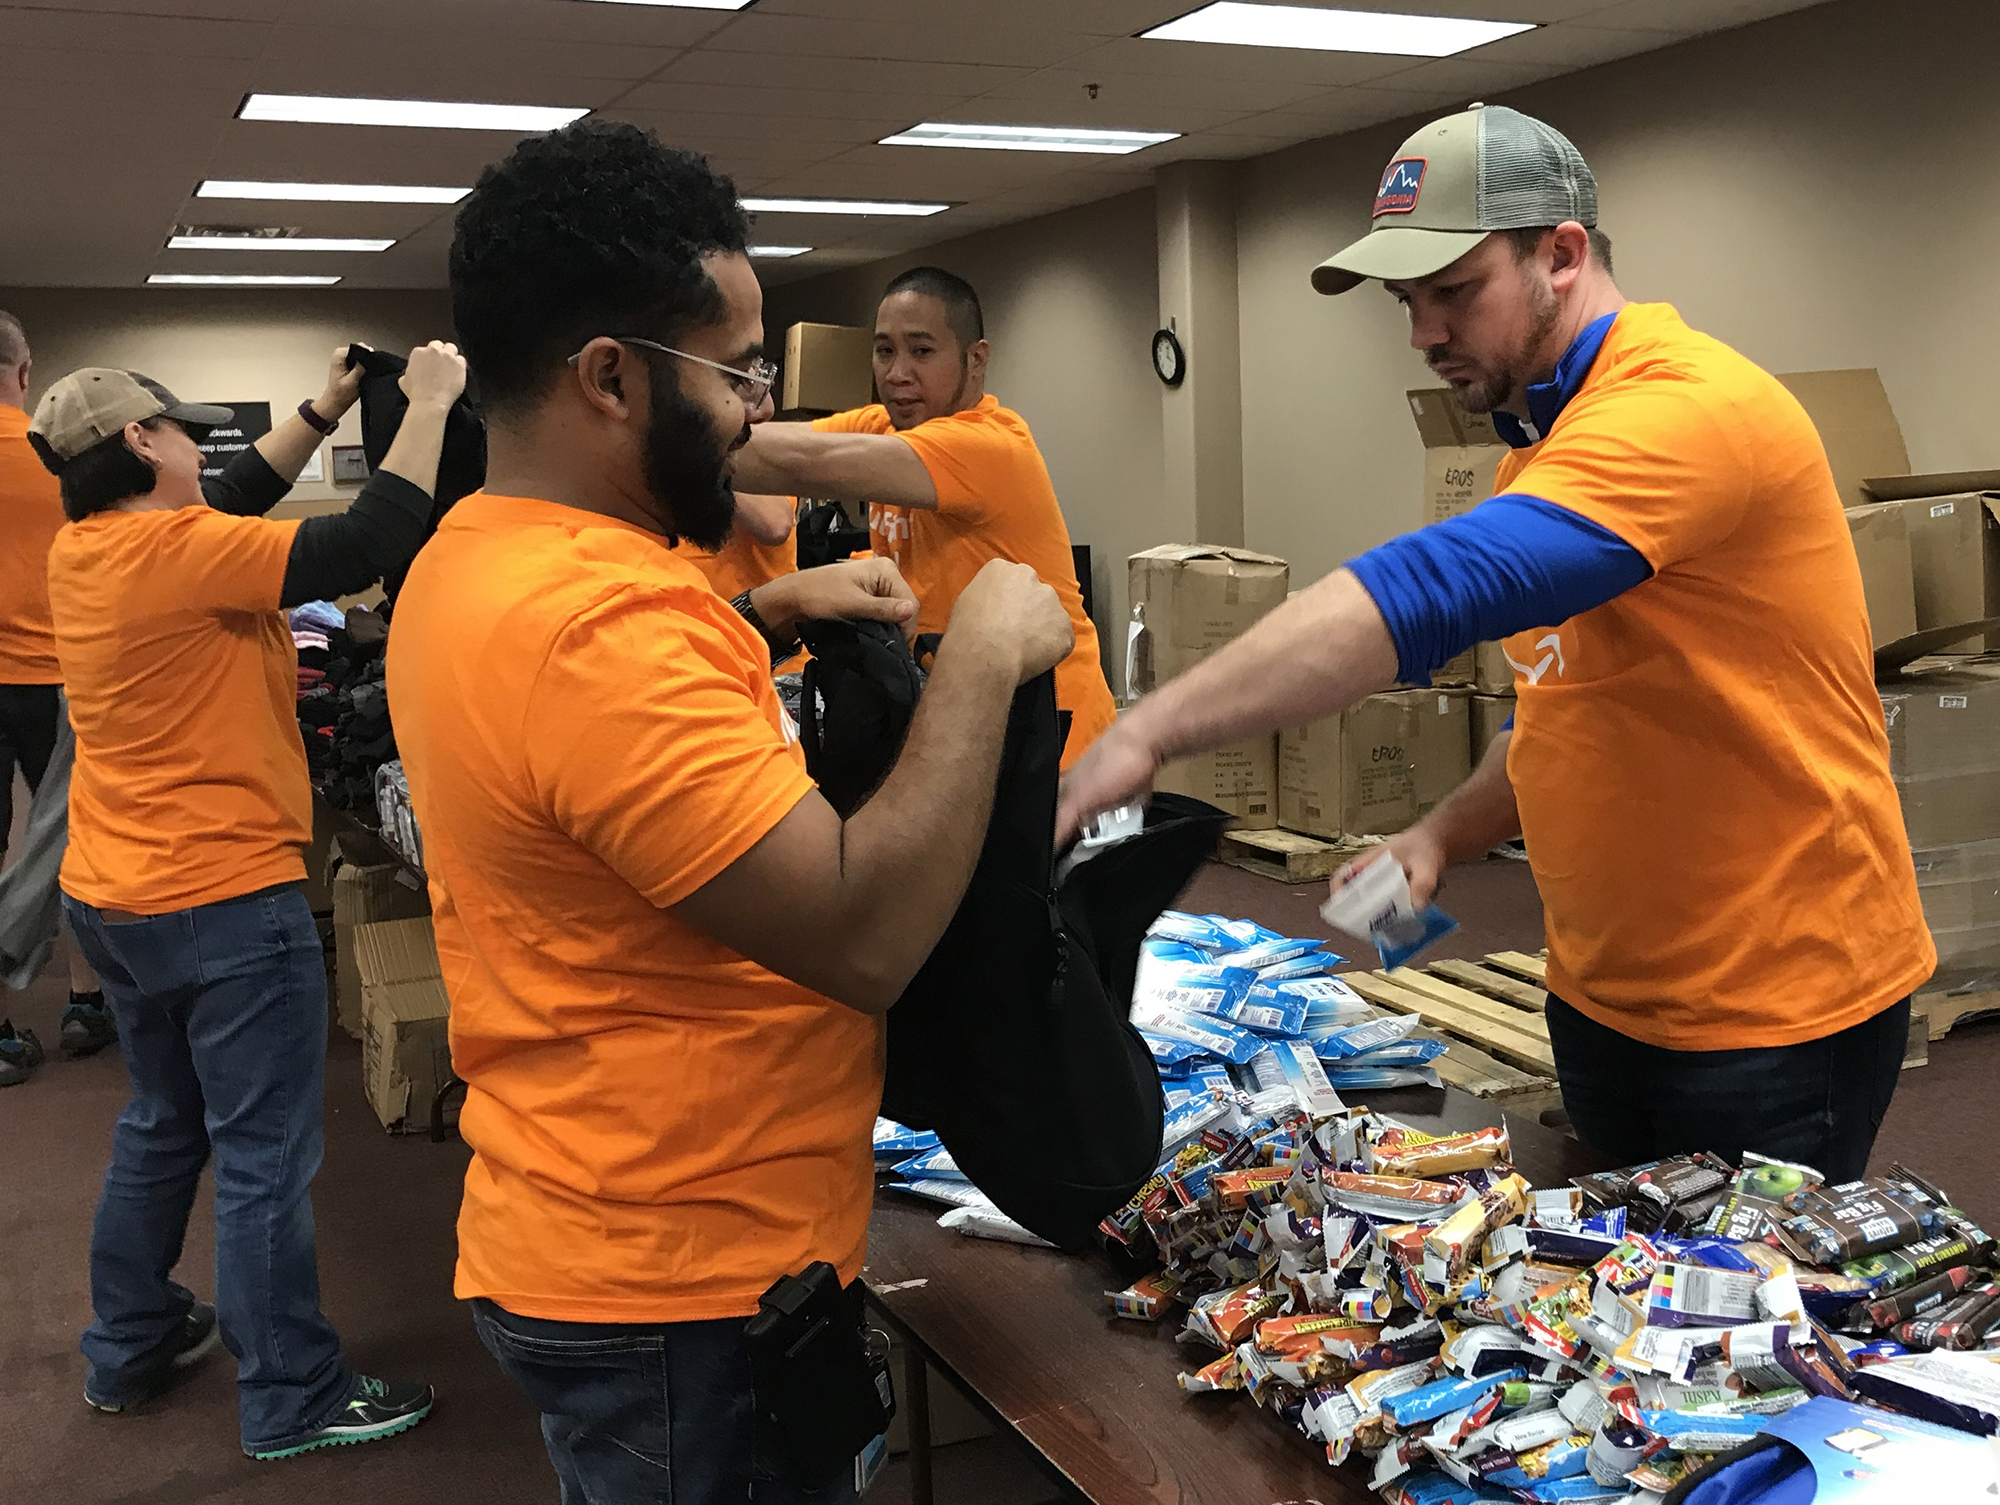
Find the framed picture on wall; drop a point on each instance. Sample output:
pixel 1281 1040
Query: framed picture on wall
pixel 350 465
pixel 315 468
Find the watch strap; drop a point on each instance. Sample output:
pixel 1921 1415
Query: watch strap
pixel 317 424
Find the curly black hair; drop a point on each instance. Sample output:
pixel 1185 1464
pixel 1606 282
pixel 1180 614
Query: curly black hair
pixel 595 229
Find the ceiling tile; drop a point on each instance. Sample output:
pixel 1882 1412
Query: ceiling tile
pixel 788 70
pixel 1134 95
pixel 1689 17
pixel 672 95
pixel 953 34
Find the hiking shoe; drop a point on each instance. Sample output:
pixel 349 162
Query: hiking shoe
pixel 185 1347
pixel 20 1054
pixel 87 1025
pixel 379 1409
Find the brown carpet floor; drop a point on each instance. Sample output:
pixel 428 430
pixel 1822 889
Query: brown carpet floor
pixel 385 1208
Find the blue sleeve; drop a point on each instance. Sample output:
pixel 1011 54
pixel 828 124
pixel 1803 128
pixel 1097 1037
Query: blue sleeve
pixel 1511 563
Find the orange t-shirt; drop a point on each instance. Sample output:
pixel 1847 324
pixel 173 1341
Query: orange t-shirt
pixel 660 1127
pixel 30 515
pixel 1701 764
pixel 995 501
pixel 190 783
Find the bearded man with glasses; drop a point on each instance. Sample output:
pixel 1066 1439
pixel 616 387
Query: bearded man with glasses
pixel 667 955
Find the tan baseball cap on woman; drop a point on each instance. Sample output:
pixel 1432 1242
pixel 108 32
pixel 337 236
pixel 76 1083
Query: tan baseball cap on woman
pixel 89 406
pixel 1453 184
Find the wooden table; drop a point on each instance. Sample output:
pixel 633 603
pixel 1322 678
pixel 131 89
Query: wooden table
pixel 1027 1334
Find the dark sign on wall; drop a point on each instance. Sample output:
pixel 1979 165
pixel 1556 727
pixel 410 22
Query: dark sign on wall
pixel 252 422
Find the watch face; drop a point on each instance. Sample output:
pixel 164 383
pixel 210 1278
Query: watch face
pixel 1168 361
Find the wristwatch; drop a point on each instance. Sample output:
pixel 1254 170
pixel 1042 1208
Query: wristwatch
pixel 779 651
pixel 316 423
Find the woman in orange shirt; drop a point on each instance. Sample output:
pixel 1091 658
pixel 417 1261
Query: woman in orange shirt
pixel 189 816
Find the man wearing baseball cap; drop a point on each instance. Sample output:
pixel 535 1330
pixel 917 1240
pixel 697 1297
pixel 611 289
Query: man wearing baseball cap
pixel 189 816
pixel 1700 766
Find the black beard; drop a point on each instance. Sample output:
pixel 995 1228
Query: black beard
pixel 683 460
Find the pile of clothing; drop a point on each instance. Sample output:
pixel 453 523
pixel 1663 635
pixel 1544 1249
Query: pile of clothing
pixel 343 701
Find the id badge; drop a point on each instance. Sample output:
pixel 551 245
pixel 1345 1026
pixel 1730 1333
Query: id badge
pixel 868 1463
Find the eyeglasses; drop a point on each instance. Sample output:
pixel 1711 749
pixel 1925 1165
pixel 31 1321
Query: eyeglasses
pixel 753 384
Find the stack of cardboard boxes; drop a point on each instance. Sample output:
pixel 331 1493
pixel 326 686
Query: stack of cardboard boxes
pixel 1929 549
pixel 1188 599
pixel 388 990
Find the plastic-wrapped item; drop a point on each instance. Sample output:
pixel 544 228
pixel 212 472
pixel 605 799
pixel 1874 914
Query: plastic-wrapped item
pixel 1835 1224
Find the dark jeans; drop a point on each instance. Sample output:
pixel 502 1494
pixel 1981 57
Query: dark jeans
pixel 1819 1102
pixel 27 741
pixel 221 1015
pixel 645 1415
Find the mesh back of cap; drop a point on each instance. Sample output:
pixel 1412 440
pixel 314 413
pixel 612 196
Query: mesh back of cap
pixel 1530 174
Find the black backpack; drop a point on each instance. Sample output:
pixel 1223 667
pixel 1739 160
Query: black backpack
pixel 1012 1042
pixel 462 461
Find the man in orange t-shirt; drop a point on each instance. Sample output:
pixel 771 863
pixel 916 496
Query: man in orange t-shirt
pixel 31 710
pixel 1700 765
pixel 952 479
pixel 667 955
pixel 189 816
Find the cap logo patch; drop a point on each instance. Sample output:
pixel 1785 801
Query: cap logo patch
pixel 1400 186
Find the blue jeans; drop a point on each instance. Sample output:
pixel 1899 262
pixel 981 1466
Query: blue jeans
pixel 1819 1102
pixel 645 1415
pixel 221 1015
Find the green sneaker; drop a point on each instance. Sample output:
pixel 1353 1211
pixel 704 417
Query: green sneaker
pixel 379 1409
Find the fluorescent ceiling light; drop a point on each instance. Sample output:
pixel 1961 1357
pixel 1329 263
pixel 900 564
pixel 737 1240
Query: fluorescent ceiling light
pixel 688 4
pixel 779 250
pixel 330 193
pixel 214 279
pixel 1310 27
pixel 276 243
pixel 840 206
pixel 427 114
pixel 1028 138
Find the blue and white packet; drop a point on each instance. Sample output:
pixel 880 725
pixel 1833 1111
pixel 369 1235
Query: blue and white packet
pixel 1311 964
pixel 1169 1052
pixel 932 1165
pixel 1359 1039
pixel 1216 1036
pixel 1402 1053
pixel 894 1142
pixel 1267 953
pixel 1189 929
pixel 1376 903
pixel 1378 1078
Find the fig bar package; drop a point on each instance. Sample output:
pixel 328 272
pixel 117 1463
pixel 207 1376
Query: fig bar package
pixel 1835 1224
pixel 1962 1243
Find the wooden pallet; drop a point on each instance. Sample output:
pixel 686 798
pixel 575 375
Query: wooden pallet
pixel 1945 1011
pixel 1493 983
pixel 1499 1029
pixel 1534 968
pixel 1286 855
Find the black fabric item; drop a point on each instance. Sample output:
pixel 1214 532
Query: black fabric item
pixel 825 536
pixel 345 552
pixel 861 689
pixel 461 463
pixel 1012 1042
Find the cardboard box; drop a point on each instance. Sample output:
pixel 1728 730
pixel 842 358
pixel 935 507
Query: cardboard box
pixel 1241 778
pixel 1944 751
pixel 829 368
pixel 405 1052
pixel 1953 536
pixel 1489 715
pixel 1461 452
pixel 1856 424
pixel 1492 674
pixel 1188 599
pixel 363 896
pixel 1882 546
pixel 1960 889
pixel 1377 768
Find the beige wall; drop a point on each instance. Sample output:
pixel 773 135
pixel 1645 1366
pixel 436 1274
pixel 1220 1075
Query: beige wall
pixel 1071 302
pixel 1818 190
pixel 235 346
